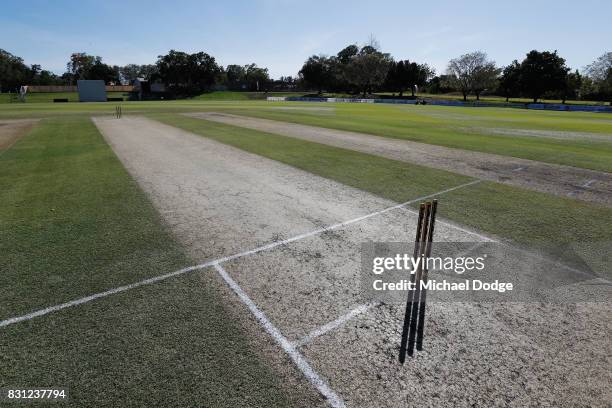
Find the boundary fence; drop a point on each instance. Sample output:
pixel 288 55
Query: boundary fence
pixel 73 88
pixel 442 102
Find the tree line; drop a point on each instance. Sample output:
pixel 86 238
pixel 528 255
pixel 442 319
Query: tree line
pixel 363 70
pixel 184 74
pixel 541 74
pixel 14 73
pixel 354 70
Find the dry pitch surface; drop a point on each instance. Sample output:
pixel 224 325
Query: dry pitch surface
pixel 561 180
pixel 221 201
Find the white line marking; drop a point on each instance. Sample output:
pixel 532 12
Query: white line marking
pixel 518 169
pixel 333 324
pixel 282 341
pixel 353 313
pixel 358 219
pixel 95 296
pixel 365 307
pixel 272 245
pixel 588 183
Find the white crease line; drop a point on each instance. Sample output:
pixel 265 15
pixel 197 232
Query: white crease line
pixel 365 307
pixel 588 183
pixel 272 245
pixel 282 341
pixel 353 313
pixel 333 324
pixel 364 217
pixel 95 296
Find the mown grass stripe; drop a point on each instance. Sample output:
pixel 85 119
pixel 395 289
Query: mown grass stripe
pixel 464 128
pixel 74 223
pixel 531 219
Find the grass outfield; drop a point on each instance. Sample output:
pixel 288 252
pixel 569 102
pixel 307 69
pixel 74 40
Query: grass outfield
pixel 240 96
pixel 528 218
pixel 457 127
pixel 75 223
pixel 468 128
pixel 60 182
pixel 47 97
pixel 502 99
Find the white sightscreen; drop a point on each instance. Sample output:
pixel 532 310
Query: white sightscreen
pixel 91 90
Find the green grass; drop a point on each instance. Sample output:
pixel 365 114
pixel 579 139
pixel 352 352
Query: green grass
pixel 457 127
pixel 241 96
pixel 69 206
pixel 453 96
pixel 47 97
pixel 464 128
pixel 74 223
pixel 502 99
pixel 41 97
pixel 525 217
pixel 42 110
pixel 363 171
pixel 223 96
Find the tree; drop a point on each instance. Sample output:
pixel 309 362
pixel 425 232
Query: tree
pixel 338 66
pixel 604 87
pixel 598 69
pixel 599 75
pixel 35 75
pixel 509 82
pixel 395 77
pixel 471 72
pixel 246 77
pixel 345 55
pixel 235 75
pixel 131 72
pixel 367 70
pixel 573 84
pixel 405 75
pixel 149 72
pixel 99 70
pixel 287 83
pixel 485 77
pixel 438 85
pixel 187 73
pixel 44 77
pixel 12 71
pixel 79 64
pixel 256 78
pixel 588 90
pixel 542 72
pixel 84 66
pixel 318 72
pixel 419 74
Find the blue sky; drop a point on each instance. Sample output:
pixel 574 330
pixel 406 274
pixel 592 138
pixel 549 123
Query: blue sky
pixel 281 34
